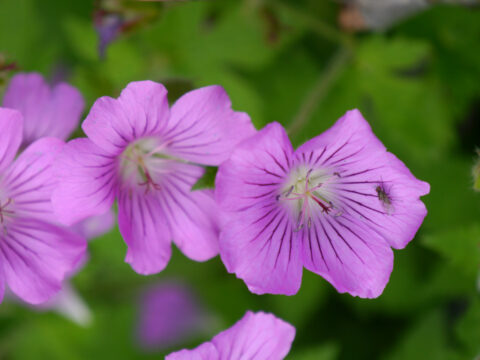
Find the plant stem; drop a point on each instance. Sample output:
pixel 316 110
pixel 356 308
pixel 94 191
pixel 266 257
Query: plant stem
pixel 320 90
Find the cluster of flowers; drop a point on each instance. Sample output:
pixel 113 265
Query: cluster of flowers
pixel 336 205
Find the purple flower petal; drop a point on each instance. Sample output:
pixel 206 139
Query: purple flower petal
pixel 141 110
pixel 135 152
pixel 256 336
pixel 206 351
pixel 11 126
pixel 95 226
pixel 191 215
pixel 261 247
pixel 347 254
pixel 87 182
pixel 47 111
pixel 144 229
pixel 36 256
pixel 341 198
pixel 30 180
pixel 365 168
pixel 203 128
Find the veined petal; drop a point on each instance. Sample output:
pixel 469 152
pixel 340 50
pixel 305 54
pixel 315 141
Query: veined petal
pixel 60 117
pixel 145 230
pixel 36 256
pixel 206 351
pixel 11 125
pixel 352 257
pixel 258 242
pixel 370 183
pixel 262 249
pixel 256 336
pixel 141 110
pixel 30 180
pixel 87 182
pixel 47 112
pixel 350 139
pixel 192 215
pixel 204 129
pixel 256 170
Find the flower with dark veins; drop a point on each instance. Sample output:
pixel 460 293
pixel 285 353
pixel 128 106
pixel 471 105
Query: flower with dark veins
pixel 148 157
pixel 336 205
pixel 35 253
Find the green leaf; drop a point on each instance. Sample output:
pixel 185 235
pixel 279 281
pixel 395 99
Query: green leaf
pixel 207 181
pixel 461 246
pixel 327 351
pixel 425 340
pixel 468 329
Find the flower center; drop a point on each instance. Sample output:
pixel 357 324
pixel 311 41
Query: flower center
pixel 309 191
pixel 142 163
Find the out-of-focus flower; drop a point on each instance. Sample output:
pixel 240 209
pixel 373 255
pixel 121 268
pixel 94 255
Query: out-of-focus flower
pixel 257 336
pixel 51 112
pixel 149 157
pixel 335 205
pixel 95 226
pixel 112 18
pixel 47 111
pixel 35 254
pixel 170 314
pixel 380 14
pixel 67 302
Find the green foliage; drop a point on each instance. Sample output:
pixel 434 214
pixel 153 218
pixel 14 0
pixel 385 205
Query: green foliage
pixel 288 61
pixel 207 181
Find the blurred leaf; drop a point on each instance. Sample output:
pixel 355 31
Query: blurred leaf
pixel 82 38
pixel 461 246
pixel 320 352
pixel 207 181
pixel 425 340
pixel 468 329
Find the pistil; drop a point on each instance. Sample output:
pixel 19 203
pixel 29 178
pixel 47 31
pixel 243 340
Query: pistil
pixel 302 192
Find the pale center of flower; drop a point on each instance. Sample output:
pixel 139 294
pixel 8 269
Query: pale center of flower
pixel 143 162
pixel 309 193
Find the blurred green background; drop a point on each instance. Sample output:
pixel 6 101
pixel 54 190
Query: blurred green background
pixel 418 84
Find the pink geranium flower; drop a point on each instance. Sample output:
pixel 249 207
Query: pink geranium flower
pixel 336 205
pixel 169 313
pixel 148 157
pixel 35 254
pixel 257 336
pixel 48 111
pixel 51 111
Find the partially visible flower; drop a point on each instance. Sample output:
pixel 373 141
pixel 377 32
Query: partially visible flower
pixel 108 27
pixel 149 157
pixel 47 111
pixel 335 205
pixel 35 254
pixel 170 313
pixel 94 226
pixel 68 303
pixel 257 336
pixel 51 112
